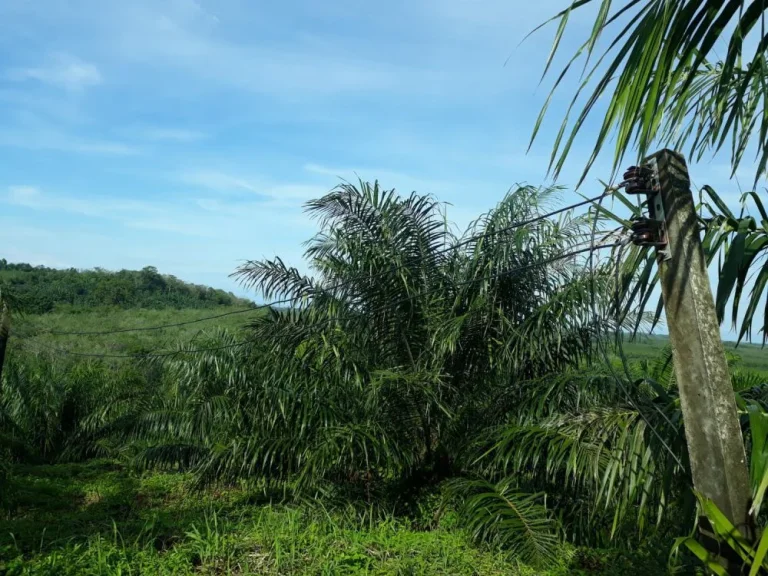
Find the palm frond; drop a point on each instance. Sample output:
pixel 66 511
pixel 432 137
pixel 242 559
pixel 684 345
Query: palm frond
pixel 662 87
pixel 514 520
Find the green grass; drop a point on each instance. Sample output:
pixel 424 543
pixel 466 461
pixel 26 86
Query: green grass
pixel 753 357
pixel 32 331
pixel 100 519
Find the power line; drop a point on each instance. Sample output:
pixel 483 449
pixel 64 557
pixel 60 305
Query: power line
pixel 291 300
pixel 159 327
pixel 515 270
pixel 602 347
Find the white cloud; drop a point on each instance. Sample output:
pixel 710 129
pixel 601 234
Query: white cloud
pixel 225 182
pixel 219 181
pixel 62 70
pixel 48 138
pixel 33 197
pixel 174 225
pixel 182 36
pixel 403 182
pixel 466 199
pixel 171 134
pixel 23 195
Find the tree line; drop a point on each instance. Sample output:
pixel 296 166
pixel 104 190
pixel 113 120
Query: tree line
pixel 40 289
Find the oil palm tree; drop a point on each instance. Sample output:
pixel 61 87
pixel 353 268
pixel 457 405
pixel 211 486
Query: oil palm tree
pixel 655 64
pixel 406 331
pixel 403 345
pixel 688 74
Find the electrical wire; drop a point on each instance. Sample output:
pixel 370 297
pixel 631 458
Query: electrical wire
pixel 341 285
pixel 601 344
pixel 516 270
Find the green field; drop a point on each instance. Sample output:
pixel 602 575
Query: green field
pixel 101 519
pixel 190 465
pixel 34 331
pixel 746 356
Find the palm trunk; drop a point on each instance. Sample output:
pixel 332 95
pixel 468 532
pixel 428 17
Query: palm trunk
pixel 5 332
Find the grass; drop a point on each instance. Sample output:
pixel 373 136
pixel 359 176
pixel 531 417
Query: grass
pixel 99 518
pixel 753 357
pixel 32 331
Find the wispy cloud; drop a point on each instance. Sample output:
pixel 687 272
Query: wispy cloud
pixel 33 197
pixel 181 36
pixel 23 194
pixel 62 70
pixel 465 199
pixel 402 181
pixel 225 182
pixel 218 181
pixel 171 134
pixel 173 225
pixel 47 138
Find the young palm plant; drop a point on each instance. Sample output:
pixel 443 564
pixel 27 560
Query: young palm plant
pixel 401 351
pixel 606 445
pixel 404 331
pixel 403 346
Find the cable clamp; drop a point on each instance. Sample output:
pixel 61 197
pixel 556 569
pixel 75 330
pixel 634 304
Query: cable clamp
pixel 648 232
pixel 640 180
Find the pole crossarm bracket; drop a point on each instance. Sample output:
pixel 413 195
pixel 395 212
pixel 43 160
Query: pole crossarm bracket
pixel 651 230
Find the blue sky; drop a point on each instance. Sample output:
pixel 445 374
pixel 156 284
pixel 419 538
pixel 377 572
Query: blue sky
pixel 187 134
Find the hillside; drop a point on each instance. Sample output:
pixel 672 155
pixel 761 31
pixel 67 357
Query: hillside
pixel 752 357
pixel 44 290
pixel 127 303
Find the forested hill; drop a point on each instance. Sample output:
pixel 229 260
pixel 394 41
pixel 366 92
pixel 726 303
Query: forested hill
pixel 42 289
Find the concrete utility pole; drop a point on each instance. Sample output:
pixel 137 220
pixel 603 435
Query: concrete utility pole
pixel 715 444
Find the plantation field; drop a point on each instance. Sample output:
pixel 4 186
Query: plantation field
pixel 753 357
pixel 104 517
pixel 98 518
pixel 33 331
pixel 447 414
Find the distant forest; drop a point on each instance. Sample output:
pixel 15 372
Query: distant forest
pixel 43 289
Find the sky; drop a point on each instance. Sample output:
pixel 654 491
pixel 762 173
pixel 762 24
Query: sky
pixel 187 134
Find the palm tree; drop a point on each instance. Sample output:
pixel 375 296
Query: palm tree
pixel 402 348
pixel 653 59
pixel 406 332
pixel 662 86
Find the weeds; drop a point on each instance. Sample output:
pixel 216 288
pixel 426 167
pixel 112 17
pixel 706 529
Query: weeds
pixel 153 524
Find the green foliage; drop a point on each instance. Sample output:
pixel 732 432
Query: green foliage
pixel 42 289
pixel 751 554
pixel 508 518
pixel 98 518
pixel 739 243
pixel 39 333
pixel 751 548
pixel 406 346
pixel 664 91
pixel 661 86
pixel 411 356
pixel 608 448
